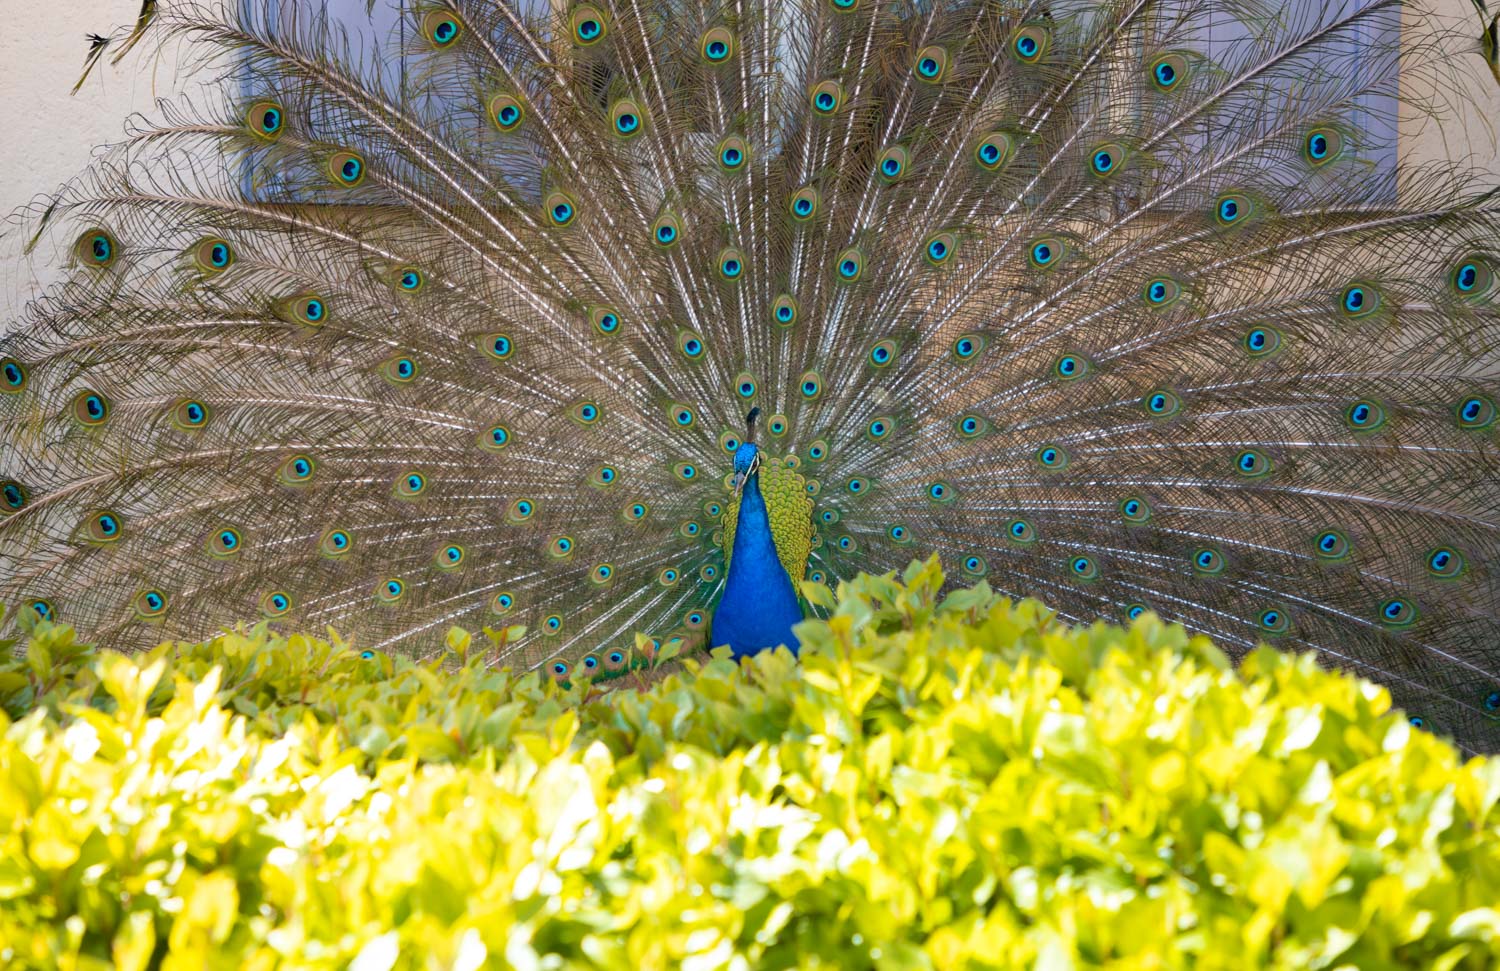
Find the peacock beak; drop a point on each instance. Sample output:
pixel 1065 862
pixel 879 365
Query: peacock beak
pixel 739 481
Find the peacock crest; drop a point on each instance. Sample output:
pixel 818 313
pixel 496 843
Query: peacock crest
pixel 1125 305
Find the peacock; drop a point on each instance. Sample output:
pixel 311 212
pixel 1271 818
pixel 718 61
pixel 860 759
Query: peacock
pixel 609 324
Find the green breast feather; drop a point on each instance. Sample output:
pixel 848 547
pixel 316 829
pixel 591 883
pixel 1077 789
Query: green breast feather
pixel 790 509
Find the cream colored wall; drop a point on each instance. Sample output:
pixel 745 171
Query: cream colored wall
pixel 1468 98
pixel 50 135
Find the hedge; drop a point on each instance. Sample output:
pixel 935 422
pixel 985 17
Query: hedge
pixel 938 783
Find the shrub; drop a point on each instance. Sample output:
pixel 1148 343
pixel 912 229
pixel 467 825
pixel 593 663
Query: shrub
pixel 938 784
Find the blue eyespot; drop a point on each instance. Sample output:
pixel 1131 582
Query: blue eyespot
pixel 965 348
pixel 1445 563
pixel 1252 463
pixel 1208 561
pixel 849 268
pixel 411 280
pixel 803 207
pixel 443 32
pixel 1332 545
pixel 226 542
pixel 626 122
pixel 1475 412
pixel 855 485
pixel 1104 161
pixel 1397 612
pixel 1261 341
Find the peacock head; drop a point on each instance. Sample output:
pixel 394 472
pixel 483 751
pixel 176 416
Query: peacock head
pixel 747 456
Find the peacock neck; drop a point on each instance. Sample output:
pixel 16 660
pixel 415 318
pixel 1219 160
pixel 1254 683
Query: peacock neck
pixel 759 605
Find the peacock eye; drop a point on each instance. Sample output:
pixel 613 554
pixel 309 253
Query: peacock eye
pixel 561 209
pixel 346 169
pixel 826 97
pixel 717 45
pixel 932 64
pixel 265 120
pixel 13 497
pixel 441 29
pixel 1030 43
pixel 1252 464
pixel 588 24
pixel 12 376
pixel 225 542
pixel 993 151
pixel 1322 145
pixel 506 112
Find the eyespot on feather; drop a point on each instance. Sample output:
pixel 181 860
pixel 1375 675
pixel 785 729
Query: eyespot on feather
pixel 265 120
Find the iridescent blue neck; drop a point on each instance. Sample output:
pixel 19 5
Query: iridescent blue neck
pixel 759 605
